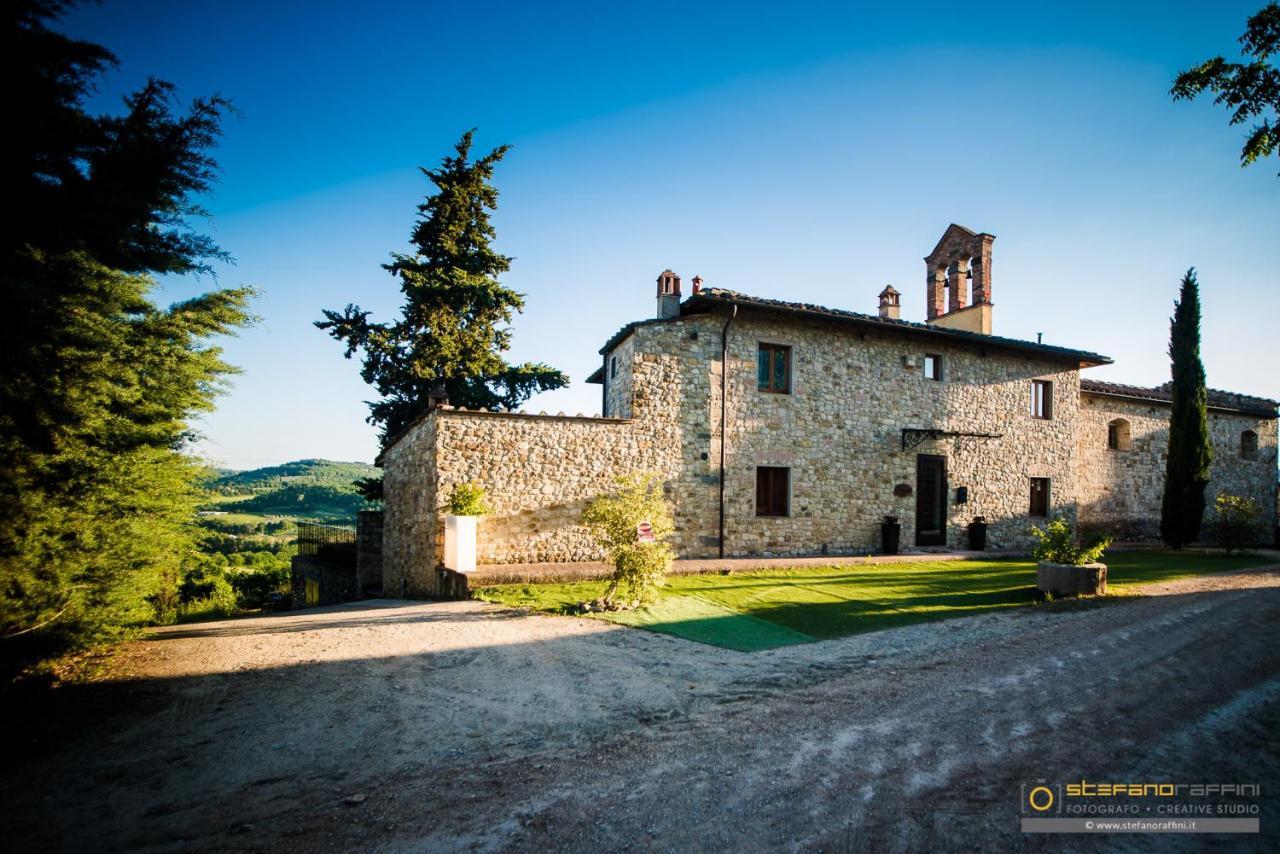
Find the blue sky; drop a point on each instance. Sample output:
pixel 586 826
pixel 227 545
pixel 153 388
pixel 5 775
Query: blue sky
pixel 800 151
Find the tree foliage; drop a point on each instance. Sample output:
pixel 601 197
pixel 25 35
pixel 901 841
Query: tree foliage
pixel 1057 544
pixel 99 384
pixel 612 518
pixel 1190 454
pixel 1250 89
pixel 453 328
pixel 467 499
pixel 1236 523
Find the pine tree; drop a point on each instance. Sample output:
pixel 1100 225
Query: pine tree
pixel 98 385
pixel 1187 467
pixel 453 327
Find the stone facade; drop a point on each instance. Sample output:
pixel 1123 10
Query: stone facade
pixel 840 432
pixel 856 427
pixel 1121 487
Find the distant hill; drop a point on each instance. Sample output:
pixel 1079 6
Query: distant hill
pixel 341 476
pixel 301 489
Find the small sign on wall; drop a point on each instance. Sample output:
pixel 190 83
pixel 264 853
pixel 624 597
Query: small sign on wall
pixel 644 533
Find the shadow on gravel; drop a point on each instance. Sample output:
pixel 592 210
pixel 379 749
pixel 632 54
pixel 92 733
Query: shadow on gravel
pixel 179 762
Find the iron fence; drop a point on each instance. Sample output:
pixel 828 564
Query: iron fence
pixel 329 543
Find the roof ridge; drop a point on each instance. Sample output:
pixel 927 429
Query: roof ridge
pixel 729 295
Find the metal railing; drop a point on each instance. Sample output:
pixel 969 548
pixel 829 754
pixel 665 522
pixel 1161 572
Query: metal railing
pixel 329 543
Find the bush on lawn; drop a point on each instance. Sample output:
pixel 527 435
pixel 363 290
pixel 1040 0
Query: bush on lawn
pixel 613 519
pixel 1058 544
pixel 1236 523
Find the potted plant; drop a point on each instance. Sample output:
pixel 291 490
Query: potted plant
pixel 1065 568
pixel 466 505
pixel 890 535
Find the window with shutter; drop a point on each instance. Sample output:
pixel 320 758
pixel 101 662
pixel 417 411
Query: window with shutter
pixel 773 491
pixel 773 368
pixel 1041 399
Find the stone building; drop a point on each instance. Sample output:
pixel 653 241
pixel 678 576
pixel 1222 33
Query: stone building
pixel 784 428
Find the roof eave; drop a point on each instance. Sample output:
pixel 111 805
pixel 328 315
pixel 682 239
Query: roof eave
pixel 1257 412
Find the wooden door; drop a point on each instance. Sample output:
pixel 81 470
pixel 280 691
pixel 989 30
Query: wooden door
pixel 931 500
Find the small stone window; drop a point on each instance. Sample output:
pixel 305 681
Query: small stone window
pixel 1118 438
pixel 773 368
pixel 1039 498
pixel 933 367
pixel 1041 399
pixel 773 491
pixel 1248 445
pixel 613 366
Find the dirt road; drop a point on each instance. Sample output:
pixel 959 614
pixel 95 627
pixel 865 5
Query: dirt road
pixel 441 726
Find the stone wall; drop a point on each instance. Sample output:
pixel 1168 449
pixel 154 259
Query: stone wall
pixel 369 550
pixel 1121 490
pixel 332 584
pixel 410 519
pixel 618 379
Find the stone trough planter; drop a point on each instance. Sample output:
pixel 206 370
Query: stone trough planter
pixel 1060 579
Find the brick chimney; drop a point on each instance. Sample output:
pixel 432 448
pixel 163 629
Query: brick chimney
pixel 958 265
pixel 668 295
pixel 890 303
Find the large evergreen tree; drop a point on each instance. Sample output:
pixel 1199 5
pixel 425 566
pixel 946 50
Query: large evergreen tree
pixel 1187 466
pixel 97 383
pixel 453 328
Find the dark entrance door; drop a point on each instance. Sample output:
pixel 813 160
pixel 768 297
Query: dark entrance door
pixel 931 500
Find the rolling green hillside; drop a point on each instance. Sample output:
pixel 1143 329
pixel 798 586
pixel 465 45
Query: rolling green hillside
pixel 303 489
pixel 297 473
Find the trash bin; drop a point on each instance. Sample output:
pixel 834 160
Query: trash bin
pixel 978 534
pixel 890 535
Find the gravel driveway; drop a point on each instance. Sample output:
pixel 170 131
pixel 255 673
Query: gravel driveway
pixel 405 726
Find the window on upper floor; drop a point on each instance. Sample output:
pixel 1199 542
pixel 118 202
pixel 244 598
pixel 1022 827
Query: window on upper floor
pixel 773 491
pixel 1041 399
pixel 1118 435
pixel 773 368
pixel 613 366
pixel 1248 445
pixel 932 366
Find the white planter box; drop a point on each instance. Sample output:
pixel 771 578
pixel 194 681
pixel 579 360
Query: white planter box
pixel 460 543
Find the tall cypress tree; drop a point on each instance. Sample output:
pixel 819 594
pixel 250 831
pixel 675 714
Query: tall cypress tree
pixel 453 328
pixel 1187 467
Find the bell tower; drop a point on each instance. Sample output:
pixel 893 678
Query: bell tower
pixel 958 280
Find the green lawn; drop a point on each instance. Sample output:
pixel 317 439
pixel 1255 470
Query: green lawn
pixel 765 609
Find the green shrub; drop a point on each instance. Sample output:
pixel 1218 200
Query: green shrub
pixel 638 568
pixel 254 585
pixel 218 600
pixel 1057 544
pixel 467 499
pixel 1236 522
